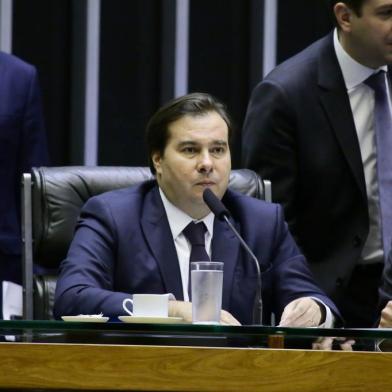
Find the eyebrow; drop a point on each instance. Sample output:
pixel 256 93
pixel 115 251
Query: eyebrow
pixel 384 7
pixel 220 142
pixel 193 143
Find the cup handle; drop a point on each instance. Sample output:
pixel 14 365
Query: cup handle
pixel 124 305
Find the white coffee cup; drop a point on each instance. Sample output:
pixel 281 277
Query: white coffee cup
pixel 148 305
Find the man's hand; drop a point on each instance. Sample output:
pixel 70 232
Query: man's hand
pixel 184 310
pixel 302 312
pixel 386 316
pixel 326 343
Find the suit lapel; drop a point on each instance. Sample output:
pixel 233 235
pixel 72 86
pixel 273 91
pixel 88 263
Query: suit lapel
pixel 335 101
pixel 158 235
pixel 225 248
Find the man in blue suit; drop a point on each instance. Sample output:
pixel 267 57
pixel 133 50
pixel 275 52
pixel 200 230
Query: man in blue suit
pixel 310 129
pixel 385 304
pixel 22 146
pixel 131 240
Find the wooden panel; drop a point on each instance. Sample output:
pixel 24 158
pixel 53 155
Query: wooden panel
pixel 148 368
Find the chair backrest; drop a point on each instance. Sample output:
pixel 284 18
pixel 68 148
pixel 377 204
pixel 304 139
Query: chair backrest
pixel 53 198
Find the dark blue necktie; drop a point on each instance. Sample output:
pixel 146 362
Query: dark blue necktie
pixel 383 124
pixel 195 233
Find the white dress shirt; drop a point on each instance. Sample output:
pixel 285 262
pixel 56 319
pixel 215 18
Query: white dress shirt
pixel 362 104
pixel 178 220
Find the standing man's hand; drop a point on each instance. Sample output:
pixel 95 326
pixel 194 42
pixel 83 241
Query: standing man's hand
pixel 326 343
pixel 386 316
pixel 302 312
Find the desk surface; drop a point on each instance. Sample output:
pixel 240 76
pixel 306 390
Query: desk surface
pixel 42 330
pixel 187 335
pixel 157 368
pixel 50 355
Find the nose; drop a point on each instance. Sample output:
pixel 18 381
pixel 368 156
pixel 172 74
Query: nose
pixel 205 163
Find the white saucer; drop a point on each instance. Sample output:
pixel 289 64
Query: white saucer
pixel 86 319
pixel 151 320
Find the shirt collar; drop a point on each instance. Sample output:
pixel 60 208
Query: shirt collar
pixel 178 219
pixel 353 72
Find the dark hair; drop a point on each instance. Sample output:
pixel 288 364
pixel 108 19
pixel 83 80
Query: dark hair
pixel 355 5
pixel 194 104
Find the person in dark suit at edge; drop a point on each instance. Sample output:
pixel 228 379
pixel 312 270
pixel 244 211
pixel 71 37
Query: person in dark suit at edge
pixel 131 240
pixel 310 128
pixel 386 295
pixel 22 145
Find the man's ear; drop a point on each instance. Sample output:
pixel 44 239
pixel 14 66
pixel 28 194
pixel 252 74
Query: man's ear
pixel 156 160
pixel 344 15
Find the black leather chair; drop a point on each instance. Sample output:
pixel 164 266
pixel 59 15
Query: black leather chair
pixel 52 199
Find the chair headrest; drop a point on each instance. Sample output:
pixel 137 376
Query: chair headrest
pixel 59 193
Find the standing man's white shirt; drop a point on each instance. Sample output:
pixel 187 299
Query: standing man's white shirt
pixel 362 104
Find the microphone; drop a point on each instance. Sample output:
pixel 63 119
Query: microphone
pixel 221 212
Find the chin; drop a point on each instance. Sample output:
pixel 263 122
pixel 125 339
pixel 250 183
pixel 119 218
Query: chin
pixel 219 192
pixel 199 200
pixel 199 192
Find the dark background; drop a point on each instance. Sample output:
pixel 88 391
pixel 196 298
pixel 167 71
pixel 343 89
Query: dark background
pixel 136 59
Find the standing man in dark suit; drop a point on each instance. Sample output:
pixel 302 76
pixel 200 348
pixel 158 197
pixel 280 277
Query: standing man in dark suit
pixel 22 145
pixel 132 240
pixel 310 129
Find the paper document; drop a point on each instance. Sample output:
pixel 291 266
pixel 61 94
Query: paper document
pixel 12 300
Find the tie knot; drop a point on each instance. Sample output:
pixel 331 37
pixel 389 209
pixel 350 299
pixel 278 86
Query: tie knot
pixel 194 232
pixel 376 81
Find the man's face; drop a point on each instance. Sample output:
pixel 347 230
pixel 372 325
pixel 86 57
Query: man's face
pixel 197 156
pixel 368 37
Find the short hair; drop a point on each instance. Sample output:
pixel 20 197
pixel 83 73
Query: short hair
pixel 355 5
pixel 194 104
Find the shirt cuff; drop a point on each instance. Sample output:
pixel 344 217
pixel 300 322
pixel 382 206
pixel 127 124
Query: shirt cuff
pixel 329 317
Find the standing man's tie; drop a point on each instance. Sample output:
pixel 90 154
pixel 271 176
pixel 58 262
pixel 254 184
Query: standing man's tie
pixel 383 123
pixel 195 233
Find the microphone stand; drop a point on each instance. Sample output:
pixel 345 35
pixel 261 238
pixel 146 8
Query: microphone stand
pixel 258 304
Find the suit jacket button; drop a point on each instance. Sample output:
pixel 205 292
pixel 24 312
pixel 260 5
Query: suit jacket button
pixel 357 241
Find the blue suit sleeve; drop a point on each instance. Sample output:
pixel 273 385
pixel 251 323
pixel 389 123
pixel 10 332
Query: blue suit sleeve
pixel 34 142
pixel 86 281
pixel 291 275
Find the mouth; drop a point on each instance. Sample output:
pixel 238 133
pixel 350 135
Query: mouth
pixel 205 184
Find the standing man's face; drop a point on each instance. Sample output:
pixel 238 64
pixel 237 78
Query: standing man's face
pixel 367 37
pixel 196 156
